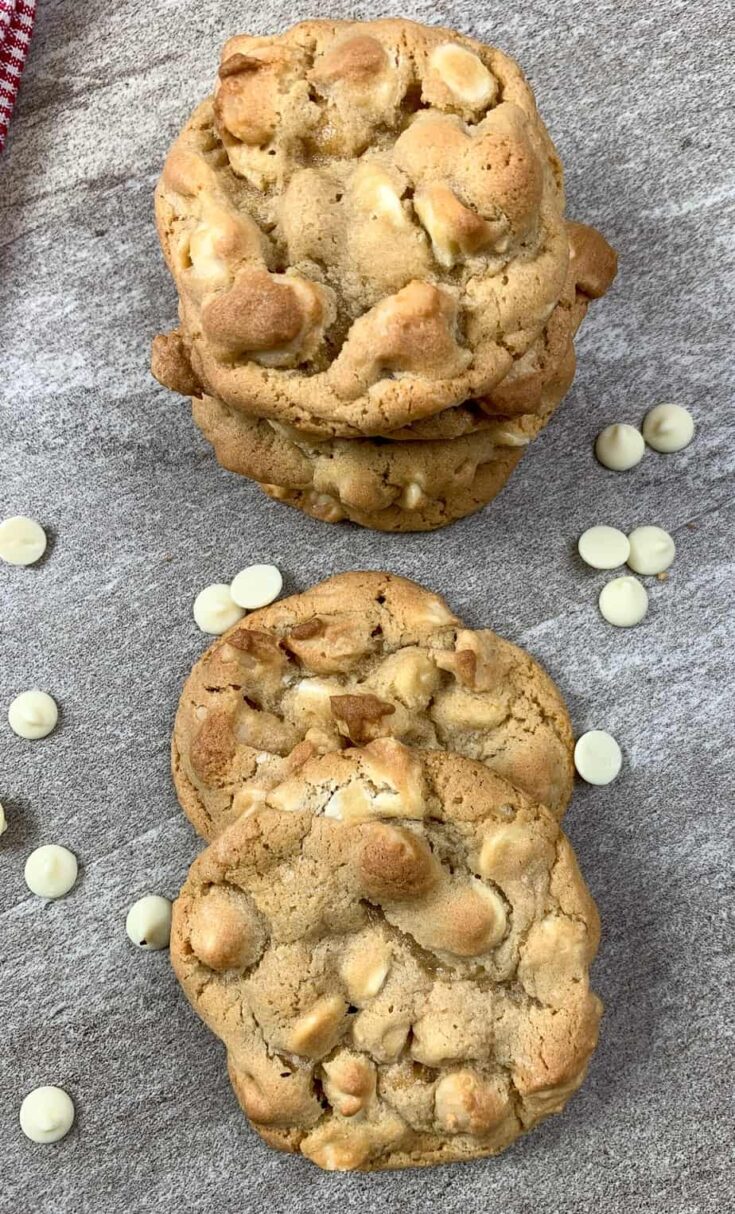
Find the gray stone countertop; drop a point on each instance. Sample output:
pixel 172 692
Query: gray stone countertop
pixel 140 517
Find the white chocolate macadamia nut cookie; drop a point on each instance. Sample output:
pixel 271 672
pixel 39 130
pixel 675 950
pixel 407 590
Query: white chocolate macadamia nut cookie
pixel 441 469
pixel 394 949
pixel 359 657
pixel 365 224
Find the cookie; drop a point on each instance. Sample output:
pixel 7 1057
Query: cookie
pixel 380 484
pixel 394 950
pixel 388 486
pixel 428 514
pixel 359 657
pixel 526 387
pixel 364 223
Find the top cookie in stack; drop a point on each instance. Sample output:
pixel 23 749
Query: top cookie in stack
pixel 366 228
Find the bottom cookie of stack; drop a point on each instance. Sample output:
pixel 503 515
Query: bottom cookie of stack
pixel 394 950
pixel 410 486
pixel 378 483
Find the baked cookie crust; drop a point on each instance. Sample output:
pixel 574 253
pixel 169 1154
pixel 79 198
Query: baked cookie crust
pixel 394 949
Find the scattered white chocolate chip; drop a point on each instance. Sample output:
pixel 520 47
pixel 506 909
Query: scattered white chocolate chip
pixel 46 1114
pixel 597 757
pixel 623 602
pixel 215 610
pixel 256 586
pixel 619 447
pixel 148 922
pixel 668 428
pixel 22 540
pixel 603 547
pixel 33 714
pixel 50 871
pixel 652 550
pixel 463 73
pixel 3 821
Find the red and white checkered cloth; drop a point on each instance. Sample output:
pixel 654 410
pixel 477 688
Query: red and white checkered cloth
pixel 16 26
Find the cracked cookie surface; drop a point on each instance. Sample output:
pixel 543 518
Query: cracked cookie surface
pixel 364 223
pixel 407 485
pixel 359 657
pixel 394 949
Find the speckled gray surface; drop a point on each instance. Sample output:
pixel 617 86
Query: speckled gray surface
pixel 141 517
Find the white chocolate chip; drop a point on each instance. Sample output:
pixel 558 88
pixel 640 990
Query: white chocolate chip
pixel 46 1114
pixel 351 803
pixel 620 447
pixel 205 262
pixel 597 757
pixel 507 437
pixel 603 547
pixel 374 192
pixel 668 428
pixel 436 612
pixel 652 550
pixel 215 610
pixel 445 248
pixel 412 496
pixel 256 586
pixel 148 922
pixel 50 871
pixel 623 602
pixel 22 540
pixel 33 714
pixel 463 73
pixel 3 821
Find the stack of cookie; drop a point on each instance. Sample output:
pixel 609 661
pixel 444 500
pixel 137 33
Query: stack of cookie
pixel 388 931
pixel 378 287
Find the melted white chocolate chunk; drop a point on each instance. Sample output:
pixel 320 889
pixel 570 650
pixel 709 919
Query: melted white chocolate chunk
pixel 374 192
pixel 463 73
